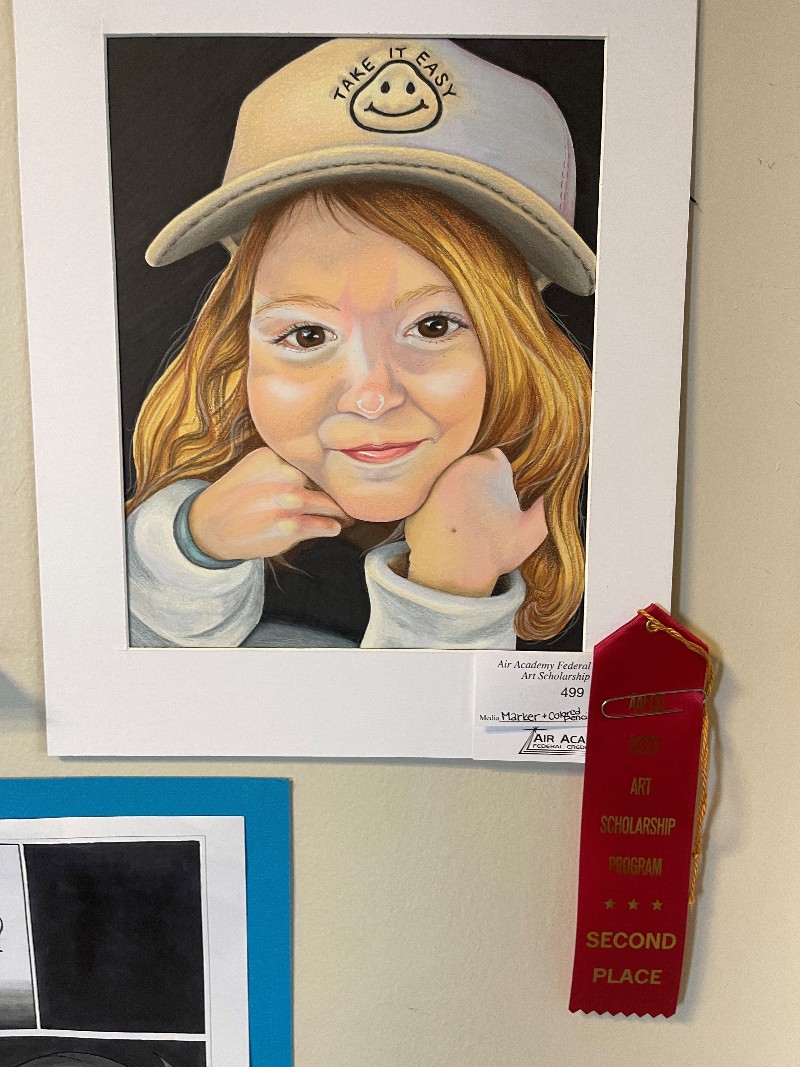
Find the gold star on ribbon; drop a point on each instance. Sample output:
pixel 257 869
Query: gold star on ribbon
pixel 633 904
pixel 656 905
pixel 609 903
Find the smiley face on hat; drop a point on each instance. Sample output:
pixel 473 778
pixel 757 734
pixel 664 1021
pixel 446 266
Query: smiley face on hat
pixel 396 99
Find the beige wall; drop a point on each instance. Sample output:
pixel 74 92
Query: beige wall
pixel 434 903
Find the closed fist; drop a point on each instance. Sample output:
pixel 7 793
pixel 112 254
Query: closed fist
pixel 260 508
pixel 471 528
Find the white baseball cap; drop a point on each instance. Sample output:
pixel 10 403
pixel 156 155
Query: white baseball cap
pixel 426 113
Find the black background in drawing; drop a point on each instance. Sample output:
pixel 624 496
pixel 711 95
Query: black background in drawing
pixel 173 103
pixel 118 935
pixel 19 1051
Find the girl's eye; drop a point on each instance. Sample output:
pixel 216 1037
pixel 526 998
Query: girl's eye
pixel 436 327
pixel 303 337
pixel 309 336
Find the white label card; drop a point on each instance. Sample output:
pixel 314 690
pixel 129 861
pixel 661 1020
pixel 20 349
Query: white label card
pixel 531 706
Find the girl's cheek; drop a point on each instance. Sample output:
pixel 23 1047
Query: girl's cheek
pixel 450 389
pixel 286 406
pixel 277 390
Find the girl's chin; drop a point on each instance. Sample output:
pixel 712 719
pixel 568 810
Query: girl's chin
pixel 366 513
pixel 379 507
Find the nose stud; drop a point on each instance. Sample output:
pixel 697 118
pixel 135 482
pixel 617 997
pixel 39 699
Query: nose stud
pixel 370 403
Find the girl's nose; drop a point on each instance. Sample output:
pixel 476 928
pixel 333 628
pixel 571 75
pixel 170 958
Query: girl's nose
pixel 371 386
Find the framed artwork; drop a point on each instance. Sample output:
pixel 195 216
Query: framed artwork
pixel 368 353
pixel 135 936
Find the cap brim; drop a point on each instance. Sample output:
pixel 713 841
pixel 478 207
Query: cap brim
pixel 550 245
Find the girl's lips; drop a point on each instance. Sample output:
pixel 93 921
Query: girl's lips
pixel 380 453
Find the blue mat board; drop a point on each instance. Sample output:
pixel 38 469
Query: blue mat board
pixel 265 805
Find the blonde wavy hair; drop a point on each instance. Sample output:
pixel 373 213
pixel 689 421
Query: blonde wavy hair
pixel 195 421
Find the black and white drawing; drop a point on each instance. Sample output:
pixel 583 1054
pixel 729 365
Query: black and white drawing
pixel 105 950
pixel 68 1052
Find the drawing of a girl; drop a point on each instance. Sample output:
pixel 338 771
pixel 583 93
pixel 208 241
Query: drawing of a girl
pixel 375 368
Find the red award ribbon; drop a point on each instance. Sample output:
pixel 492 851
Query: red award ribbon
pixel 647 734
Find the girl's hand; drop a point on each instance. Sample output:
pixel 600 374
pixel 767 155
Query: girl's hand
pixel 471 529
pixel 260 508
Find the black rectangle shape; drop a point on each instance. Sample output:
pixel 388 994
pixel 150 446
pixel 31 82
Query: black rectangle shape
pixel 118 935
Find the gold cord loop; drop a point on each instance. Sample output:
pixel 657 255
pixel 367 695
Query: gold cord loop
pixel 654 626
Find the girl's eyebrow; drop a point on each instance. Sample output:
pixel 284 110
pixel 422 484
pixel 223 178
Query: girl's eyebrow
pixel 424 290
pixel 309 300
pixel 293 299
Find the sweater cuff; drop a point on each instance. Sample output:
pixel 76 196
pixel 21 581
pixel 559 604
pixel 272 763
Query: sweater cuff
pixel 407 615
pixel 187 544
pixel 171 600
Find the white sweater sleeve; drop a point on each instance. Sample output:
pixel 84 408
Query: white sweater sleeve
pixel 174 602
pixel 406 615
